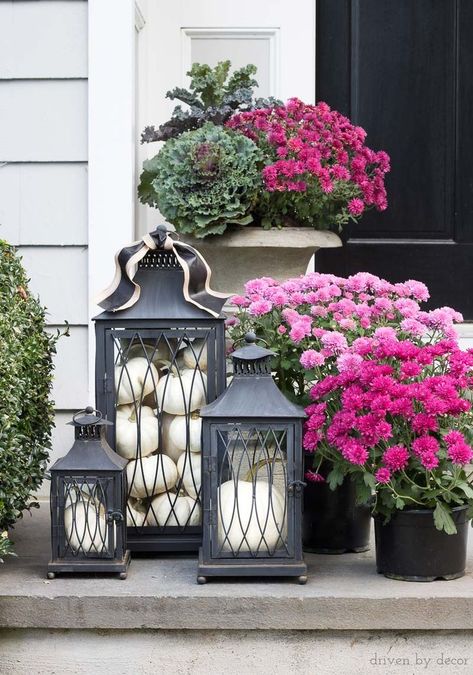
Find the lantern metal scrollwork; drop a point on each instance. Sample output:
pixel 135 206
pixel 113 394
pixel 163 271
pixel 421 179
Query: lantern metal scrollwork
pixel 88 498
pixel 252 489
pixel 160 358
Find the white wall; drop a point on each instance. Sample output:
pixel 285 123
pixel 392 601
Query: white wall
pixel 43 175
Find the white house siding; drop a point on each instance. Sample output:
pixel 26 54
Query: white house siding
pixel 43 175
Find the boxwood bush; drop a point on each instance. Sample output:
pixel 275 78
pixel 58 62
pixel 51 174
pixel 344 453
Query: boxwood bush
pixel 26 411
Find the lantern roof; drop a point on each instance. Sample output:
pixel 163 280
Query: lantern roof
pixel 161 280
pixel 252 393
pixel 90 451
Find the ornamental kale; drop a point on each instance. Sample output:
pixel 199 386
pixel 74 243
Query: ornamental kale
pixel 213 96
pixel 318 171
pixel 388 388
pixel 203 180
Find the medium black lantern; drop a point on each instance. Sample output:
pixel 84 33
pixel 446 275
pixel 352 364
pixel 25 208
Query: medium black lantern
pixel 88 492
pixel 252 484
pixel 160 358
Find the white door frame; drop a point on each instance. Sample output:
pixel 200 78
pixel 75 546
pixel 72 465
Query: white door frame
pixel 111 144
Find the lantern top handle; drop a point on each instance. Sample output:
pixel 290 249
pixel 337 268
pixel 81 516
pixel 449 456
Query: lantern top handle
pixel 88 417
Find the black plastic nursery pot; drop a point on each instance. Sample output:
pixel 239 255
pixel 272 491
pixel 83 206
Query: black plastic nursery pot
pixel 410 548
pixel 332 522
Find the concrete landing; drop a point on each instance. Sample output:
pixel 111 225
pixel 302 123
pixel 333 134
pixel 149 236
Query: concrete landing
pixel 342 593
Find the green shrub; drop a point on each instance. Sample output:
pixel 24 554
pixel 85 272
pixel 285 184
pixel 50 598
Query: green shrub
pixel 26 412
pixel 203 180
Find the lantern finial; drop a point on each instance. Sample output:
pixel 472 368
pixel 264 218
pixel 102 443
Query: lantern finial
pixel 252 359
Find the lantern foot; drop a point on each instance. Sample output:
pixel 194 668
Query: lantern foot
pixel 51 575
pixel 123 575
pixel 201 579
pixel 302 579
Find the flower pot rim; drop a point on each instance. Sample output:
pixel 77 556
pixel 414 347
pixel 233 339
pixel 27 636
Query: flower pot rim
pixel 255 236
pixel 379 516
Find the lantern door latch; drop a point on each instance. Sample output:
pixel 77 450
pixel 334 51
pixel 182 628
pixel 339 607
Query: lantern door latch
pixel 114 516
pixel 295 487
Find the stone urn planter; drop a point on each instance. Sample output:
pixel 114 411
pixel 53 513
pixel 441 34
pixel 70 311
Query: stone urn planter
pixel 248 252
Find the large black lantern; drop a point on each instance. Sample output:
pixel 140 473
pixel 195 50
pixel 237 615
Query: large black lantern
pixel 252 485
pixel 88 492
pixel 160 358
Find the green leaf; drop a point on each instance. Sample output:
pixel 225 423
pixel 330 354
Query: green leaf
pixel 466 489
pixel 335 477
pixel 363 493
pixel 400 503
pixel 369 480
pixel 443 520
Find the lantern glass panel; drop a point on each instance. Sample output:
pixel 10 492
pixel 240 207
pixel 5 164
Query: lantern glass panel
pixel 254 465
pixel 82 514
pixel 162 377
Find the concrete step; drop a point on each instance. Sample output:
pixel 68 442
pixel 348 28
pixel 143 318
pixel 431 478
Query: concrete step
pixel 347 620
pixel 343 593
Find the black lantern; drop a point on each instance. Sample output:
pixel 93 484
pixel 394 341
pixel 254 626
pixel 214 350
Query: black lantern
pixel 160 358
pixel 88 492
pixel 252 484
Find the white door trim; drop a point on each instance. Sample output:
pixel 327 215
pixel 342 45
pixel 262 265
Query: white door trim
pixel 111 144
pixel 272 35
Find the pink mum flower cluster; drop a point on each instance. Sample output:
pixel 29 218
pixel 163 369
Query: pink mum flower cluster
pixel 388 387
pixel 391 423
pixel 315 152
pixel 326 312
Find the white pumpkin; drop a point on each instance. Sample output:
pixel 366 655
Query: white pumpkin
pixel 135 513
pixel 196 353
pixel 181 393
pixel 178 432
pixel 195 512
pixel 171 510
pixel 86 527
pixel 242 517
pixel 151 475
pixel 126 430
pixel 168 447
pixel 134 380
pixel 155 355
pixel 189 469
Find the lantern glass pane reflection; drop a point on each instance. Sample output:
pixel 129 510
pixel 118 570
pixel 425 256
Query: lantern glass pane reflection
pixel 86 531
pixel 160 384
pixel 251 494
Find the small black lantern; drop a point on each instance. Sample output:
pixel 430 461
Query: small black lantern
pixel 88 492
pixel 252 482
pixel 160 357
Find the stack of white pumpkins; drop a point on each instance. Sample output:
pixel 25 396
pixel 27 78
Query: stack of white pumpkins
pixel 163 482
pixel 85 522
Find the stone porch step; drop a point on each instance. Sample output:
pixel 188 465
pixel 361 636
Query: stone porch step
pixel 343 593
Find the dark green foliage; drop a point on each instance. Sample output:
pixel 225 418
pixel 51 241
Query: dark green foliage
pixel 26 413
pixel 212 97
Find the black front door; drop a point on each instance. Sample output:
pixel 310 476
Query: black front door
pixel 403 70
